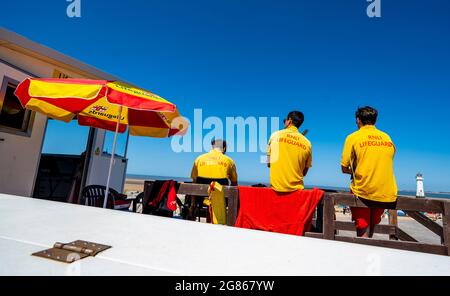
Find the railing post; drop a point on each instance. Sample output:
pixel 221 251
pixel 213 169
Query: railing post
pixel 328 217
pixel 148 187
pixel 319 216
pixel 233 206
pixel 446 225
pixel 393 220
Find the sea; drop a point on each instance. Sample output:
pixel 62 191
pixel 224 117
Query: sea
pixel 250 183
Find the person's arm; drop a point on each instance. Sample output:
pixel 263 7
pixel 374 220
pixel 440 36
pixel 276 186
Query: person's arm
pixel 305 171
pixel 308 163
pixel 346 170
pixel 233 175
pixel 347 156
pixel 194 172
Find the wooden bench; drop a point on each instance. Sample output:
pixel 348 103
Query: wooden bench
pixel 399 238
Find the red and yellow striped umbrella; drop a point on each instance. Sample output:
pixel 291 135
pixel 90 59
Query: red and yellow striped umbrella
pixel 103 104
pixel 98 103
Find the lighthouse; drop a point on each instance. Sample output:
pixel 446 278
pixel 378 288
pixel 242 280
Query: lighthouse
pixel 420 191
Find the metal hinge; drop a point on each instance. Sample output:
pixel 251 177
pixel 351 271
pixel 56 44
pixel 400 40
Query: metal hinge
pixel 73 251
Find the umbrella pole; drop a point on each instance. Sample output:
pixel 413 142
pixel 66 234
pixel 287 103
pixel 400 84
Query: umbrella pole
pixel 112 158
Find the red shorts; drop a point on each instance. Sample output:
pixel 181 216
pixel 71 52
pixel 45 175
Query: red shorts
pixel 361 216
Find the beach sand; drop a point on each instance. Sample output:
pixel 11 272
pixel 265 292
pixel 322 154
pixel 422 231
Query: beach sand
pixel 133 185
pixel 407 224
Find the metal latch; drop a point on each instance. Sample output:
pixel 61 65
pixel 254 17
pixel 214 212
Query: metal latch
pixel 73 251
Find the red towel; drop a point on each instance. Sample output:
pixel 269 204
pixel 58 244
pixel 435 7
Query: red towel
pixel 172 197
pixel 268 210
pixel 169 188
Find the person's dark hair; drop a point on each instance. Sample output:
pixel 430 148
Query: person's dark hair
pixel 219 143
pixel 297 118
pixel 367 115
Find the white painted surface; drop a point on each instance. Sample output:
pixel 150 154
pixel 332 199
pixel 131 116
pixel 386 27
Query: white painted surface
pixel 99 166
pixel 149 245
pixel 20 154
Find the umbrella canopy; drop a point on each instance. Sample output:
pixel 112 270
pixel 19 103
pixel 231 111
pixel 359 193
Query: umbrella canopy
pixel 98 103
pixel 110 105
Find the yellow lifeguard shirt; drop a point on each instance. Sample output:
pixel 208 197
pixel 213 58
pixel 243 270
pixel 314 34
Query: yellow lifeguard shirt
pixel 290 153
pixel 370 153
pixel 214 165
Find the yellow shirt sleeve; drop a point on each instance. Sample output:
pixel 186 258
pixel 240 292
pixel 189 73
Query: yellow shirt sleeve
pixel 347 152
pixel 308 163
pixel 232 173
pixel 194 172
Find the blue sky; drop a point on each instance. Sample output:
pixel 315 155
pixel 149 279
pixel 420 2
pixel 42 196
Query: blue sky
pixel 265 58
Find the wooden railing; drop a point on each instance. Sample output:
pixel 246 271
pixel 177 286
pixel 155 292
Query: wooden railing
pixel 413 207
pixel 328 226
pixel 231 194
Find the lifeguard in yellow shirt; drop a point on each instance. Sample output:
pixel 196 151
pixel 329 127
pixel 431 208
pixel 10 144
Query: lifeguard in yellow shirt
pixel 215 166
pixel 368 156
pixel 289 155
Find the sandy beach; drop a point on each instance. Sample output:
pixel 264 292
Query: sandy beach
pixel 133 185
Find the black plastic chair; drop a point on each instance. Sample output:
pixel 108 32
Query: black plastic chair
pixel 94 195
pixel 138 200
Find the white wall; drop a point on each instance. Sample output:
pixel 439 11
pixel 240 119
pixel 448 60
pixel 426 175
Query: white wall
pixel 32 64
pixel 19 155
pixel 98 172
pixel 99 166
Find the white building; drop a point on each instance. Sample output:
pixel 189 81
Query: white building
pixel 24 169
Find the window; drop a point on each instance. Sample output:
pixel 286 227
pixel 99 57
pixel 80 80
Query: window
pixel 65 138
pixel 121 143
pixel 13 118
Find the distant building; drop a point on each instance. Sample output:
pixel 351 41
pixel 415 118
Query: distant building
pixel 420 192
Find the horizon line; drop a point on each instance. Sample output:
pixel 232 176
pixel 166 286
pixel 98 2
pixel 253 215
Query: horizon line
pixel 258 182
